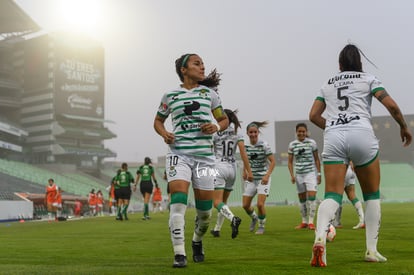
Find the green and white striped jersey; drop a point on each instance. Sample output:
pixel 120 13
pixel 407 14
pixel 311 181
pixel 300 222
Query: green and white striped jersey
pixel 225 144
pixel 189 109
pixel 257 155
pixel 302 152
pixel 348 99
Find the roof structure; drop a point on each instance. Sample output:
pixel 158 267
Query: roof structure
pixel 14 21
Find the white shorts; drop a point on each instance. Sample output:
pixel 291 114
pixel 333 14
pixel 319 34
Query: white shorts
pixel 56 204
pixel 306 182
pixel 226 175
pixel 256 187
pixel 340 146
pixel 200 174
pixel 350 177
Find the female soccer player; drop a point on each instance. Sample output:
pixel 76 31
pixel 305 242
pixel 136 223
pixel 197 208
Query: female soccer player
pixel 304 151
pixel 194 108
pixel 145 176
pixel 225 146
pixel 345 99
pixel 262 163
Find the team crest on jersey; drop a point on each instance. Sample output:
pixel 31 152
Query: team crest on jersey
pixel 203 93
pixel 172 172
pixel 163 106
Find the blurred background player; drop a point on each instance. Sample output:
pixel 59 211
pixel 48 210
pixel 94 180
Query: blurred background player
pixel 145 176
pixel 262 162
pixel 92 202
pixel 350 179
pixel 157 199
pixel 123 181
pixel 225 146
pixel 303 151
pixel 50 198
pixel 99 203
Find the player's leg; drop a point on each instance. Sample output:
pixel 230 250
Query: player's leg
pixel 350 192
pixel 369 179
pixel 334 186
pixel 250 189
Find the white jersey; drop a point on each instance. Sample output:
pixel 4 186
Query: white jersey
pixel 257 155
pixel 348 97
pixel 190 109
pixel 225 144
pixel 302 152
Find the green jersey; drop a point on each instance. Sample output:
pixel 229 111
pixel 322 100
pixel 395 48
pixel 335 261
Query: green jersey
pixel 145 172
pixel 124 179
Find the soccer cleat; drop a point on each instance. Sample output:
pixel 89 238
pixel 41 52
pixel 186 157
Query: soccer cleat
pixel 318 255
pixel 260 230
pixel 215 233
pixel 235 223
pixel 180 261
pixel 119 218
pixel 198 253
pixel 374 256
pixel 311 226
pixel 360 225
pixel 302 226
pixel 253 224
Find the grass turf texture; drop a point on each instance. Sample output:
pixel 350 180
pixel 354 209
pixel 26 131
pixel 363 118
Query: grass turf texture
pixel 104 246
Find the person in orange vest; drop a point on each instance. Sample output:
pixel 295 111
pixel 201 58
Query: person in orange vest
pixel 92 202
pixel 78 208
pixel 157 198
pixel 99 202
pixel 50 197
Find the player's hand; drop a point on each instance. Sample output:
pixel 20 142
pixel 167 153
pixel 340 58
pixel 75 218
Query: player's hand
pixel 168 138
pixel 405 136
pixel 209 128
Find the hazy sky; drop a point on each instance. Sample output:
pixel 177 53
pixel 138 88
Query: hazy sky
pixel 273 55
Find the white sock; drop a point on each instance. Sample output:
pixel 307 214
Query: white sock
pixel 219 223
pixel 177 224
pixel 303 211
pixel 360 211
pixel 338 216
pixel 202 222
pixel 326 214
pixel 226 212
pixel 372 223
pixel 262 222
pixel 311 205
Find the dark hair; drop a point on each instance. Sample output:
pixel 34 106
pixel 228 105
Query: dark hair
pixel 147 160
pixel 211 81
pixel 301 124
pixel 257 124
pixel 350 59
pixel 51 180
pixel 124 165
pixel 233 118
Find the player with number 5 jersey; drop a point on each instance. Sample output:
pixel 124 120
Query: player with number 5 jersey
pixel 345 102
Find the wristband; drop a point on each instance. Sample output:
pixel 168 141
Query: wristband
pixel 319 173
pixel 218 127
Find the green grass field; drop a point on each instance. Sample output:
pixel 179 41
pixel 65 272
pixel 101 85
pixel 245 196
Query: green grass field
pixel 104 246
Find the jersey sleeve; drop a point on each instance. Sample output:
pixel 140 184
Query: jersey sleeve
pixel 376 85
pixel 268 150
pixel 290 148
pixel 163 108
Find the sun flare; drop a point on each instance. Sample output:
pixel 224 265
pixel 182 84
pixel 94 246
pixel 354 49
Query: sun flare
pixel 84 16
